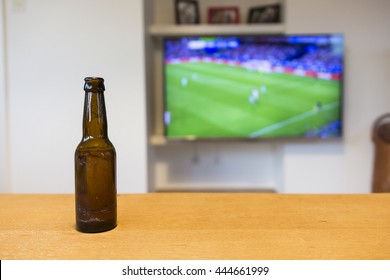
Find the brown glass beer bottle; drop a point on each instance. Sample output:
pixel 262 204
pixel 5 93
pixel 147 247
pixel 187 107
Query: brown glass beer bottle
pixel 95 165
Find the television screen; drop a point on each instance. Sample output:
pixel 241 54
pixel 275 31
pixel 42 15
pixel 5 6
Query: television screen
pixel 279 86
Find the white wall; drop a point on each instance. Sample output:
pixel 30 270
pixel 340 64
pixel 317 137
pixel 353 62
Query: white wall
pixel 52 46
pixel 3 115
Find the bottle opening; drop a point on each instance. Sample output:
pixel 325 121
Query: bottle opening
pixel 94 84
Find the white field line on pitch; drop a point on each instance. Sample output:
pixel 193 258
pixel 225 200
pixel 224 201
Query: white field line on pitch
pixel 291 120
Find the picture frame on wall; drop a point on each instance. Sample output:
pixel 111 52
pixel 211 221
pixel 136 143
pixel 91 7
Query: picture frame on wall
pixel 223 15
pixel 265 14
pixel 187 11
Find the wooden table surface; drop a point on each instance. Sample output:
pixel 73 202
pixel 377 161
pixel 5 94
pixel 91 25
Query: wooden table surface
pixel 202 226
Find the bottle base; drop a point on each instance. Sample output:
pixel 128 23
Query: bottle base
pixel 95 227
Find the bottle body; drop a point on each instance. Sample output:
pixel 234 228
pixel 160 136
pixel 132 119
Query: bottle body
pixel 95 168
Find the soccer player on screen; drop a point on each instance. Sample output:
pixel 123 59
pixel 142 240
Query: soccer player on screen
pixel 255 94
pixel 263 89
pixel 254 97
pixel 184 82
pixel 317 107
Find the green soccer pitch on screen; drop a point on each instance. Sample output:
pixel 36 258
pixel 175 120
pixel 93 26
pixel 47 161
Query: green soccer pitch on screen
pixel 230 87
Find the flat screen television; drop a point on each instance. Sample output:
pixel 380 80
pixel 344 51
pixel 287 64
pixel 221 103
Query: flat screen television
pixel 253 87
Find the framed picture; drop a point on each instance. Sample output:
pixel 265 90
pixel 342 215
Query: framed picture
pixel 187 11
pixel 223 15
pixel 265 14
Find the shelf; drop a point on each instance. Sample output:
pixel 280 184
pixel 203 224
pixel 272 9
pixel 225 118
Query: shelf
pixel 220 29
pixel 161 140
pixel 158 140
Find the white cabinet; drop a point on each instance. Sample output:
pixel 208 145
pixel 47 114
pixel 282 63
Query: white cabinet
pixel 188 166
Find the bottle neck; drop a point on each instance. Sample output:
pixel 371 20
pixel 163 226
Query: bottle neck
pixel 94 120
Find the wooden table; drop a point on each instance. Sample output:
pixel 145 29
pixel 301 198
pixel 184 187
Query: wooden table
pixel 202 226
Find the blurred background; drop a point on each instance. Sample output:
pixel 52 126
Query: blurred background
pixel 47 47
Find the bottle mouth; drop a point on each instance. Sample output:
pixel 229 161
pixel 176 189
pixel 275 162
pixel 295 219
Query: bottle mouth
pixel 94 84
